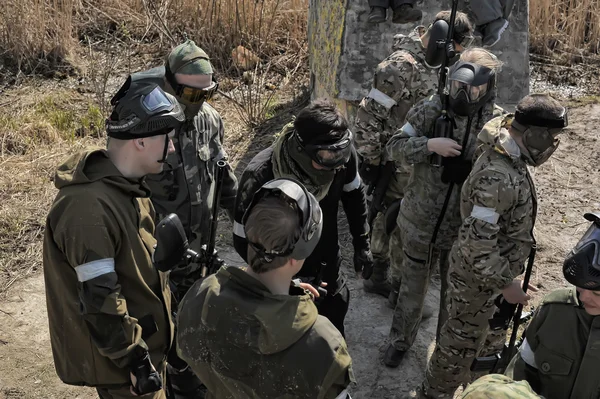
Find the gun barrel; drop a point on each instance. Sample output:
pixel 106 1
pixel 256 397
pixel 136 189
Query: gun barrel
pixel 214 223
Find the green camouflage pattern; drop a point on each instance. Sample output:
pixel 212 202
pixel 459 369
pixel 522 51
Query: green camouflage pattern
pixel 486 256
pixel 563 343
pixel 499 386
pixel 420 209
pixel 188 189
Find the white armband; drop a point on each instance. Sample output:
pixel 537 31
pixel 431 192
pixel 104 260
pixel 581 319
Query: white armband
pixel 96 268
pixel 527 354
pixel 485 214
pixel 238 229
pixel 409 130
pixel 382 98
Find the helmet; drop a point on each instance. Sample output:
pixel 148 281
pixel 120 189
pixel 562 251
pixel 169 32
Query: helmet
pixel 582 266
pixel 309 211
pixel 142 109
pixel 471 86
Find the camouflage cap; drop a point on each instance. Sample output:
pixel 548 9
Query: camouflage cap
pixel 189 59
pixel 499 386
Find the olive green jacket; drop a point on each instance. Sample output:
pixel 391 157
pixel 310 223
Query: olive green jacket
pixel 561 356
pixel 244 342
pixel 104 295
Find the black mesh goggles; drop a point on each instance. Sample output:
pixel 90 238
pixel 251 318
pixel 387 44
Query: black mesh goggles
pixel 330 155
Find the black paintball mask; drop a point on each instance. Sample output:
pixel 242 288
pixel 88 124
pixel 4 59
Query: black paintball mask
pixel 309 214
pixel 142 109
pixel 539 135
pixel 582 266
pixel 436 47
pixel 470 87
pixel 327 153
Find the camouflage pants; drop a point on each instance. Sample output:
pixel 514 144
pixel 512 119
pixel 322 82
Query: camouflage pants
pixel 380 248
pixel 462 337
pixel 415 275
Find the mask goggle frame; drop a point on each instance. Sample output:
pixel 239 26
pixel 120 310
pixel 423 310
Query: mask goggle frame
pixel 329 155
pixel 196 95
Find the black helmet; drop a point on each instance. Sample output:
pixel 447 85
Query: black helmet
pixel 582 266
pixel 142 109
pixel 310 215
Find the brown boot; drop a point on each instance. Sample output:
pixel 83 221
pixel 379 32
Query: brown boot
pixel 406 13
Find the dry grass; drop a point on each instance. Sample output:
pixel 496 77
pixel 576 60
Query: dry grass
pixel 566 29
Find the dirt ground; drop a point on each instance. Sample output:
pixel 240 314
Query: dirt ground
pixel 567 187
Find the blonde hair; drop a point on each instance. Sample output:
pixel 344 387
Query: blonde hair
pixel 481 56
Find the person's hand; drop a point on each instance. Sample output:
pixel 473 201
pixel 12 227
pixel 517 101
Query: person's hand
pixel 363 262
pixel 144 377
pixel 513 293
pixel 309 287
pixel 444 146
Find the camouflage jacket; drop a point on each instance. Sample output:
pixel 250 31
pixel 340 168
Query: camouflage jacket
pixel 559 357
pixel 498 206
pixel 380 115
pixel 105 298
pixel 425 192
pixel 498 386
pixel 244 342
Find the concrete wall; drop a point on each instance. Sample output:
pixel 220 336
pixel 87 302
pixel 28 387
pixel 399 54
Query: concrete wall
pixel 344 48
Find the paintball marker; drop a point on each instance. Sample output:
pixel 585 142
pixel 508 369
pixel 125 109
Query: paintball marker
pixel 444 124
pixel 172 245
pixel 378 189
pixel 497 363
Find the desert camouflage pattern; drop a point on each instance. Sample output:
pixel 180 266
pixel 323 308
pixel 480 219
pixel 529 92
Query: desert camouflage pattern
pixel 188 188
pixel 401 80
pixel 499 386
pixel 421 206
pixel 498 211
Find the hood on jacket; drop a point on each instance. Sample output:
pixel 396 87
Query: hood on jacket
pixel 89 166
pixel 253 317
pixel 495 135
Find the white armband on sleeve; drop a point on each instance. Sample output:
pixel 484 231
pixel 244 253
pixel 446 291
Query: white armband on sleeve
pixel 381 98
pixel 344 395
pixel 238 229
pixel 409 130
pixel 527 354
pixel 485 214
pixel 353 185
pixel 96 268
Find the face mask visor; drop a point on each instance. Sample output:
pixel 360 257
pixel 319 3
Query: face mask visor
pixel 195 95
pixel 331 155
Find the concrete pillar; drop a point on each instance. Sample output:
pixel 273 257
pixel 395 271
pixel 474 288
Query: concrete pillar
pixel 344 49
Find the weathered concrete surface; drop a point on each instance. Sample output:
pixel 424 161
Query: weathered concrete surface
pixel 345 49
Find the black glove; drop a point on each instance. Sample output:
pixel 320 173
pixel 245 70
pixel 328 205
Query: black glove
pixel 363 261
pixel 369 173
pixel 147 378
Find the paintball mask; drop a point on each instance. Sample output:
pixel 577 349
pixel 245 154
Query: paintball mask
pixel 582 266
pixel 539 135
pixel 309 213
pixel 327 153
pixel 142 109
pixel 471 86
pixel 436 47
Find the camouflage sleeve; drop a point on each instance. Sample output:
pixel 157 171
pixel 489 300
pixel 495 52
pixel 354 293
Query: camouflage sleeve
pixel 230 183
pixel 491 197
pixel 90 250
pixel 368 130
pixel 409 144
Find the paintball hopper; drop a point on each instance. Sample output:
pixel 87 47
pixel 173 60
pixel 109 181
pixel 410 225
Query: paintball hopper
pixel 171 244
pixel 435 53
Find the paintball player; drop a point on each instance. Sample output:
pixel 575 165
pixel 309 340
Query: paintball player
pixel 108 307
pixel 404 11
pixel 559 356
pixel 429 215
pixel 498 386
pixel 400 81
pixel 187 184
pixel 248 332
pixel 316 149
pixel 498 207
pixel 491 19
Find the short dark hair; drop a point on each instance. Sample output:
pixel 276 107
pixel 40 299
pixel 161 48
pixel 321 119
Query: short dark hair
pixel 321 117
pixel 275 225
pixel 540 105
pixel 462 24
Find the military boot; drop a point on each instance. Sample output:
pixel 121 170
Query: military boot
pixel 406 13
pixel 377 15
pixel 393 357
pixel 377 283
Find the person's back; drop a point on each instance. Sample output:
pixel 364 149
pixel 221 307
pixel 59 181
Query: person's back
pixel 245 332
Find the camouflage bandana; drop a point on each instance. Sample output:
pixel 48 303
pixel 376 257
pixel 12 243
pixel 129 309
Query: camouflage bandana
pixel 289 161
pixel 500 387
